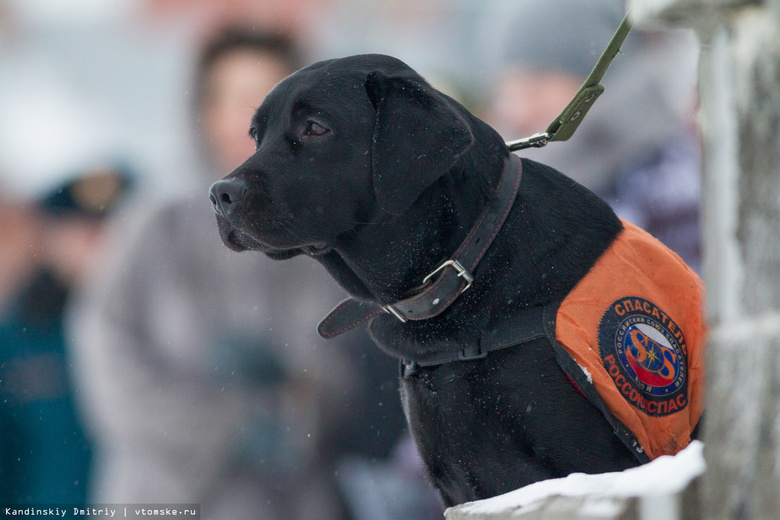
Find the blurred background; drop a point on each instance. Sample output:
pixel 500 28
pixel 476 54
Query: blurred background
pixel 143 362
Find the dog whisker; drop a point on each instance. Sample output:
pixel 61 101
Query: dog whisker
pixel 287 228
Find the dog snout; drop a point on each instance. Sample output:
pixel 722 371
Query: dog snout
pixel 226 194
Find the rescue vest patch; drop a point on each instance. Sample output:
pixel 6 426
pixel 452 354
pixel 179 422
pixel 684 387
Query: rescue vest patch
pixel 635 325
pixel 644 352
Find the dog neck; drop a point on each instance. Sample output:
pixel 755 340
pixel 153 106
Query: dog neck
pixel 441 287
pixel 415 244
pixel 386 260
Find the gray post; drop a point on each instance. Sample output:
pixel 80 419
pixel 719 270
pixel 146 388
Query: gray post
pixel 739 86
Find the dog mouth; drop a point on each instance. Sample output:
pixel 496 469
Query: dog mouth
pixel 239 241
pixel 276 237
pixel 316 249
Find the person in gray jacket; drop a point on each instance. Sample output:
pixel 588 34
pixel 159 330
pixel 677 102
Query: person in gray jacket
pixel 201 368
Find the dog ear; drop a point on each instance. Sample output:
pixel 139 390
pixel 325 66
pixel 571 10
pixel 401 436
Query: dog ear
pixel 418 136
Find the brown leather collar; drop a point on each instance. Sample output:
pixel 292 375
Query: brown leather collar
pixel 443 286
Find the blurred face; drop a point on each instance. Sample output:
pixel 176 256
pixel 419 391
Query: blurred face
pixel 527 101
pixel 236 86
pixel 70 246
pixel 19 246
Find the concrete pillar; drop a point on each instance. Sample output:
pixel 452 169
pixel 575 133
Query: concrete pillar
pixel 739 85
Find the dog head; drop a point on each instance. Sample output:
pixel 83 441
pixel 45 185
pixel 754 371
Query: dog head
pixel 339 144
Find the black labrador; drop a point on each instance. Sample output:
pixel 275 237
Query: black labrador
pixel 364 166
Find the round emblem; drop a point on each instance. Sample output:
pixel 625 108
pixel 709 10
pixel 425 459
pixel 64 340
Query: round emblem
pixel 644 353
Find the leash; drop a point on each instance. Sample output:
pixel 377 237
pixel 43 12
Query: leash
pixel 563 127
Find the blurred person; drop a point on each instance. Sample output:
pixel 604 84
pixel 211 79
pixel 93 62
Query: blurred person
pixel 288 16
pixel 233 75
pixel 44 453
pixel 201 368
pixel 637 147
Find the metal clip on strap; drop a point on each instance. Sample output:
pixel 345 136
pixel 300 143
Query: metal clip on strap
pixel 567 122
pixel 389 309
pixel 462 272
pixel 535 141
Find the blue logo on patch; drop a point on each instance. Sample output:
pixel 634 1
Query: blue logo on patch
pixel 644 352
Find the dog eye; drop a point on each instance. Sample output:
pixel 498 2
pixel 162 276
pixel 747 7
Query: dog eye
pixel 315 129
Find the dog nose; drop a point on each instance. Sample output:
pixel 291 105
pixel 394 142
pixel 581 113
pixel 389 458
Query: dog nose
pixel 225 194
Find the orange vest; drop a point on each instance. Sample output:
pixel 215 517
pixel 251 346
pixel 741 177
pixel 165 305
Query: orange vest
pixel 635 329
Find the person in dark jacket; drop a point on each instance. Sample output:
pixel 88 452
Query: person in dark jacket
pixel 45 455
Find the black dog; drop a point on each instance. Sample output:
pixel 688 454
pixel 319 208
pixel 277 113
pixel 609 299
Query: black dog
pixel 363 165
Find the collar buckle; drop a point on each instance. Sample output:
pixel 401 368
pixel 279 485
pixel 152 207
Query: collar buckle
pixel 462 272
pixel 391 310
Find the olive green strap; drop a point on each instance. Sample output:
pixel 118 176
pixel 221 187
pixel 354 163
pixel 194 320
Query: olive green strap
pixel 565 124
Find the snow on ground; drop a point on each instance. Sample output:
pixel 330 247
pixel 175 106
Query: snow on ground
pixel 663 477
